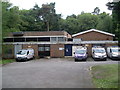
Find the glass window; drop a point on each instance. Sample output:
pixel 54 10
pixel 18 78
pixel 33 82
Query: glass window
pixel 47 48
pixel 61 39
pixel 41 48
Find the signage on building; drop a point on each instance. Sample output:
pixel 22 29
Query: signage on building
pixel 77 40
pixel 61 48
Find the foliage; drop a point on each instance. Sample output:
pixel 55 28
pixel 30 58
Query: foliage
pixel 44 18
pixel 10 18
pixel 87 21
pixel 105 22
pixel 48 15
pixel 115 7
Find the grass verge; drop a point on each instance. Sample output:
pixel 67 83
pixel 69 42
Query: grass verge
pixel 105 76
pixel 6 61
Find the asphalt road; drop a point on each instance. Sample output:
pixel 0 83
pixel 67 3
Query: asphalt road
pixel 50 73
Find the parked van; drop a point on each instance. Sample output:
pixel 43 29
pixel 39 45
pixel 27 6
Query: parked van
pixel 99 53
pixel 113 52
pixel 25 54
pixel 81 54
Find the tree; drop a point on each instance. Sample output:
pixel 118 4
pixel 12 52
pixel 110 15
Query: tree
pixel 105 22
pixel 87 21
pixel 48 14
pixel 115 7
pixel 96 11
pixel 10 18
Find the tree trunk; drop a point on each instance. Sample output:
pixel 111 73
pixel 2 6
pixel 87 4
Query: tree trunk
pixel 47 26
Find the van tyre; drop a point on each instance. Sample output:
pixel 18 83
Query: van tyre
pixel 105 59
pixel 17 60
pixel 33 57
pixel 76 60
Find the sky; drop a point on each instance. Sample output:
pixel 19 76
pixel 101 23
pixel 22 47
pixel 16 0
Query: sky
pixel 66 7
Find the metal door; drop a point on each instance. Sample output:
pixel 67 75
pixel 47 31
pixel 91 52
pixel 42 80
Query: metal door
pixel 68 50
pixel 17 48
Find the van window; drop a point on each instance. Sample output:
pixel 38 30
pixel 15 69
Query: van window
pixel 27 52
pixel 115 50
pixel 80 51
pixel 110 50
pixel 99 51
pixel 21 52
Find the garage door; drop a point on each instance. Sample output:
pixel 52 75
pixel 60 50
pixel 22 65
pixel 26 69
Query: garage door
pixel 43 50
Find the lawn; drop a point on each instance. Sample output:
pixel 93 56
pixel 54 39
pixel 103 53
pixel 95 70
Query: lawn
pixel 6 61
pixel 105 76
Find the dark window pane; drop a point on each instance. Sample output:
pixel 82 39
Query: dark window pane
pixel 70 39
pixel 19 39
pixel 44 39
pixel 47 45
pixel 31 39
pixel 8 39
pixel 41 45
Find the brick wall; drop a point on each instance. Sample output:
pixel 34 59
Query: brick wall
pixel 89 49
pixel 94 36
pixel 35 47
pixel 55 50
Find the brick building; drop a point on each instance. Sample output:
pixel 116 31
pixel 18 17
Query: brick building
pixel 94 37
pixel 57 43
pixel 50 43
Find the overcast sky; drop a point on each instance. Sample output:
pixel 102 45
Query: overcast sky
pixel 66 7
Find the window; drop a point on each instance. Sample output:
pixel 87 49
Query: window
pixel 44 47
pixel 19 39
pixel 61 39
pixel 76 40
pixel 41 48
pixel 8 39
pixel 44 39
pixel 57 39
pixel 44 50
pixel 53 39
pixel 31 39
pixel 47 48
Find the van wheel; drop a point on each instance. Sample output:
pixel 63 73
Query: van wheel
pixel 85 59
pixel 17 60
pixel 25 59
pixel 33 57
pixel 105 59
pixel 76 60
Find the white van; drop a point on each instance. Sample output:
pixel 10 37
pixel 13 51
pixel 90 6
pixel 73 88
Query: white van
pixel 113 52
pixel 99 53
pixel 25 54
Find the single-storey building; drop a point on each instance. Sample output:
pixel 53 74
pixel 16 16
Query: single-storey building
pixel 94 37
pixel 57 43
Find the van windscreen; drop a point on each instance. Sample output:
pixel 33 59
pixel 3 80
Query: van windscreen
pixel 80 51
pixel 116 50
pixel 22 52
pixel 99 50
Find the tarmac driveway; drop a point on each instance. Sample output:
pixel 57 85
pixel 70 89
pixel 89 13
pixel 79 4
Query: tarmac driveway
pixel 49 73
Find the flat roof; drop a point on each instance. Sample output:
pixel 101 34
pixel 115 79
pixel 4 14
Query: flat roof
pixel 82 42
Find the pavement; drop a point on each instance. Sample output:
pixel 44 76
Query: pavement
pixel 50 73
